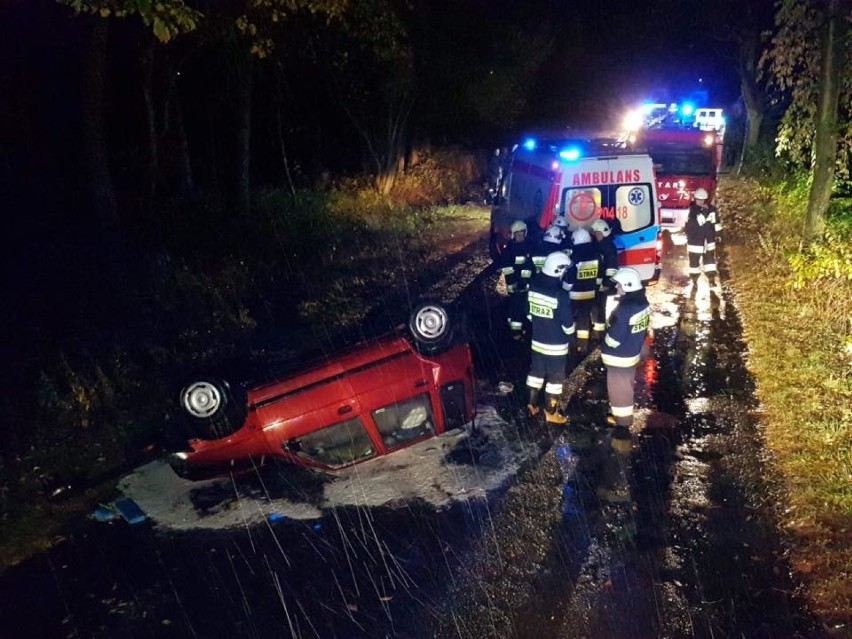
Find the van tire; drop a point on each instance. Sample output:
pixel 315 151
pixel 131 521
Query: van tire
pixel 431 327
pixel 211 408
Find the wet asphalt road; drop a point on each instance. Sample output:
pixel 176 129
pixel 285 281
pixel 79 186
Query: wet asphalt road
pixel 675 538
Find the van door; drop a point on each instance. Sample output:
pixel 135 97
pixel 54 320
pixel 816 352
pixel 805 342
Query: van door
pixel 631 207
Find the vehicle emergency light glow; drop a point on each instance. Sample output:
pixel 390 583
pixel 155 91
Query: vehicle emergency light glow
pixel 530 144
pixel 633 120
pixel 708 140
pixel 570 154
pixel 687 109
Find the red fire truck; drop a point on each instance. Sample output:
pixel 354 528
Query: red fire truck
pixel 684 160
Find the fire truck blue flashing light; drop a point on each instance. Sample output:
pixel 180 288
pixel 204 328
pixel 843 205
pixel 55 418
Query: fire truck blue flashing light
pixel 530 144
pixel 571 154
pixel 687 108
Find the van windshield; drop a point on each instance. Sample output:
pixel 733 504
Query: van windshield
pixel 629 207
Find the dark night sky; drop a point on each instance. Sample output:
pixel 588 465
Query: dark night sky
pixel 618 53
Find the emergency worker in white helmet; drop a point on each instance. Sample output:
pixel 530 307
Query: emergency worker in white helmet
pixel 626 328
pixel 582 282
pixel 552 328
pixel 562 225
pixel 702 226
pixel 602 232
pixel 549 242
pixel 517 268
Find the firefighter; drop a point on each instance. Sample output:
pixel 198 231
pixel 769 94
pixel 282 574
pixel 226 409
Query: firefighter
pixel 609 265
pixel 552 333
pixel 620 352
pixel 550 242
pixel 517 269
pixel 581 280
pixel 701 238
pixel 559 221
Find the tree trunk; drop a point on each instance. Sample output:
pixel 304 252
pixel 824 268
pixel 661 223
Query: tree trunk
pixel 825 141
pixel 101 195
pixel 244 88
pixel 753 96
pixel 149 190
pixel 100 187
pixel 185 178
pixel 288 176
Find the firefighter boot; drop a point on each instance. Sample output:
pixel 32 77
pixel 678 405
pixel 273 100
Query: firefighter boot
pixel 551 413
pixel 532 407
pixel 692 287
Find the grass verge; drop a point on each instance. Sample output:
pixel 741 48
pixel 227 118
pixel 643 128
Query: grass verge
pixel 796 304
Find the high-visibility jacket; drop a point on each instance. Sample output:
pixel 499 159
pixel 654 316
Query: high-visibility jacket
pixel 625 330
pixel 516 266
pixel 581 278
pixel 540 252
pixel 551 319
pixel 701 226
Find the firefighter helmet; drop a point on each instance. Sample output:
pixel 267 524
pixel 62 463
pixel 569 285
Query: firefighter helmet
pixel 600 226
pixel 518 226
pixel 629 279
pixel 556 264
pixel 580 236
pixel 701 194
pixel 553 234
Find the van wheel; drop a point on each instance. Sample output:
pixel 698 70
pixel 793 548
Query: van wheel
pixel 211 408
pixel 431 327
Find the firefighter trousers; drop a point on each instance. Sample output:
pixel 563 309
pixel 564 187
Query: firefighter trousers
pixel 699 254
pixel 619 387
pixel 599 314
pixel 549 369
pixel 582 310
pixel 516 312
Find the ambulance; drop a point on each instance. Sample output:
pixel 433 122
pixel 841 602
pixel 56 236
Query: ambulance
pixel 581 181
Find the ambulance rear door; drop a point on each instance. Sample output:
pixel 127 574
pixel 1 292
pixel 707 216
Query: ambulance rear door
pixel 621 190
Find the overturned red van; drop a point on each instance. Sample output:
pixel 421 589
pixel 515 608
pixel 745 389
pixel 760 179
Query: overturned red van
pixel 372 399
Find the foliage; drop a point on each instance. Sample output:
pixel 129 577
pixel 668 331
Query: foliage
pixel 828 259
pixel 261 18
pixel 791 64
pixel 166 18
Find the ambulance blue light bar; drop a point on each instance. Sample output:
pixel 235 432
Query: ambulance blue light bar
pixel 571 154
pixel 530 144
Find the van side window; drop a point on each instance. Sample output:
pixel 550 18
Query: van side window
pixel 336 445
pixel 405 420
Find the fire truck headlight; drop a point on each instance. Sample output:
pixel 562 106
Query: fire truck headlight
pixel 708 140
pixel 633 120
